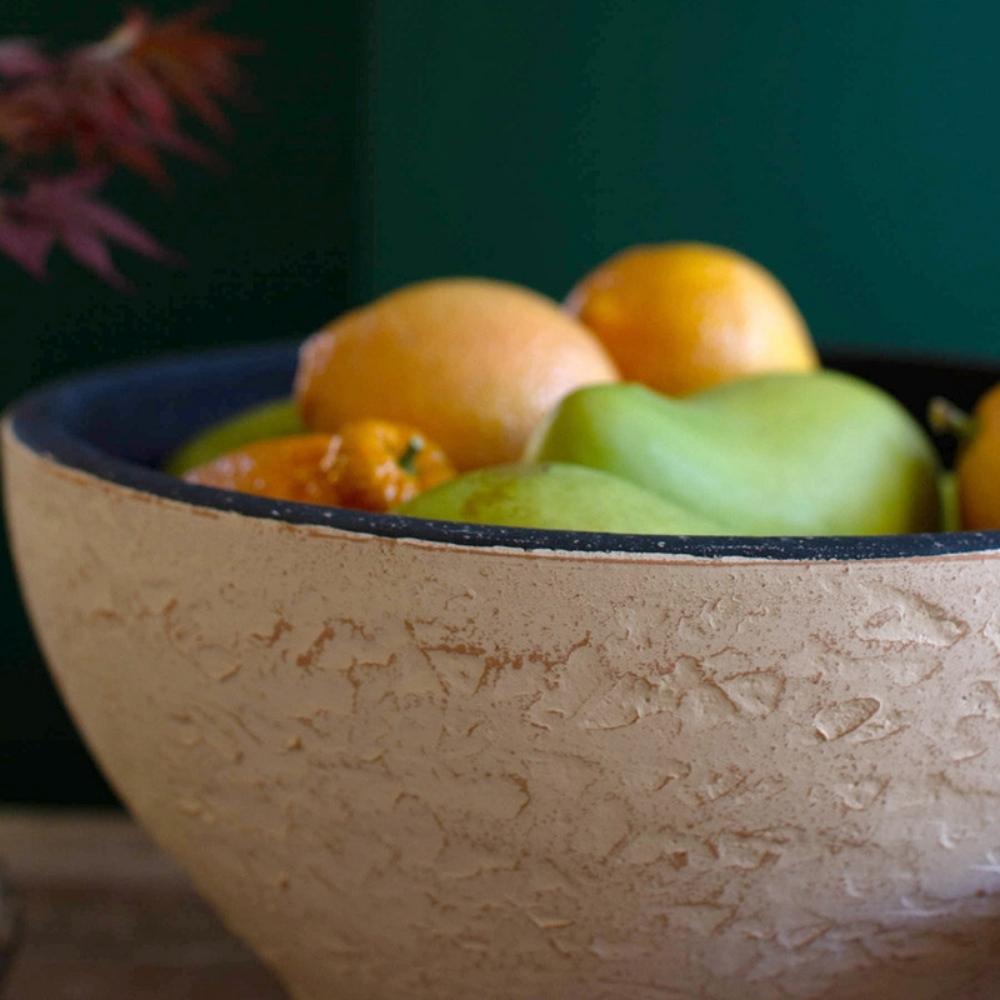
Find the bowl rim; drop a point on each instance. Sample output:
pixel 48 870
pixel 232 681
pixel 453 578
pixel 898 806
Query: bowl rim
pixel 39 421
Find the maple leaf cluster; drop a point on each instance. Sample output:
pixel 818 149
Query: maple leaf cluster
pixel 67 120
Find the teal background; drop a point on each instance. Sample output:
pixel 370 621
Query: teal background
pixel 849 147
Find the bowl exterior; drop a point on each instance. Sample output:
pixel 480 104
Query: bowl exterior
pixel 401 768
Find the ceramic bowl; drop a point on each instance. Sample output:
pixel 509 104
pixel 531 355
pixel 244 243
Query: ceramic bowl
pixel 410 759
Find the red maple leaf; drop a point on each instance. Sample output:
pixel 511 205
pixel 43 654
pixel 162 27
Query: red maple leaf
pixel 126 90
pixel 22 57
pixel 116 102
pixel 66 211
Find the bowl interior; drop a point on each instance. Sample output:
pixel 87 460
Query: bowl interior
pixel 121 423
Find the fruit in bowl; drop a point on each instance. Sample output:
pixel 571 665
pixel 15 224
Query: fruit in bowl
pixel 430 758
pixel 474 363
pixel 764 443
pixel 977 474
pixel 681 317
pixel 814 454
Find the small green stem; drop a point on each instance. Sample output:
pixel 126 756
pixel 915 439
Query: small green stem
pixel 947 419
pixel 407 461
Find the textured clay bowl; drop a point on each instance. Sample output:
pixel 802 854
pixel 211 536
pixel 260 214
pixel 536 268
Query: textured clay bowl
pixel 411 760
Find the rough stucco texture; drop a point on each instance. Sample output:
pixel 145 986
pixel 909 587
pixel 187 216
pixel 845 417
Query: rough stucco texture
pixel 408 770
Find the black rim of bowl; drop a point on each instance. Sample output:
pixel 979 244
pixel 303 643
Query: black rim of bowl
pixel 41 421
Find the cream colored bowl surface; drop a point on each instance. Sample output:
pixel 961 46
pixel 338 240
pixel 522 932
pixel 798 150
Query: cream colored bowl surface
pixel 412 768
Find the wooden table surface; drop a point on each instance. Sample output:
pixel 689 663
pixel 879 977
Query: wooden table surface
pixel 105 916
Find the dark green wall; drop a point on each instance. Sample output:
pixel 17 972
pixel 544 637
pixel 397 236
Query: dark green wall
pixel 850 147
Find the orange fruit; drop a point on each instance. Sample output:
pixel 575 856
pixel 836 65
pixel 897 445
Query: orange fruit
pixel 370 465
pixel 474 363
pixel 978 468
pixel 379 464
pixel 284 468
pixel 681 317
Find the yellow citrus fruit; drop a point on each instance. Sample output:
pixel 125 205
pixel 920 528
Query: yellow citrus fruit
pixel 473 363
pixel 681 317
pixel 978 468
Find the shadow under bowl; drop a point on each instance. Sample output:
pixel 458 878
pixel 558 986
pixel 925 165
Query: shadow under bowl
pixel 411 758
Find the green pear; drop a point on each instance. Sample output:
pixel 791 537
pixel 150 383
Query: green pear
pixel 556 496
pixel 798 454
pixel 277 418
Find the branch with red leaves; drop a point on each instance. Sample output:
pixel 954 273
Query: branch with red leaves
pixel 67 120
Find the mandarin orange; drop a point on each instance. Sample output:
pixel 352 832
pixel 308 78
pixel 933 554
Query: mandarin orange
pixel 369 465
pixel 283 468
pixel 378 464
pixel 681 317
